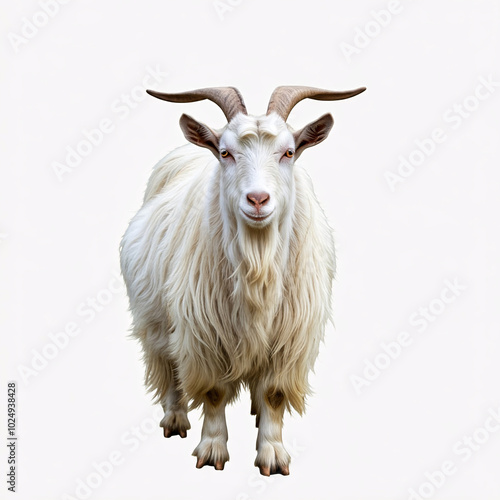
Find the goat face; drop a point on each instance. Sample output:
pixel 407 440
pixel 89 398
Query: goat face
pixel 256 155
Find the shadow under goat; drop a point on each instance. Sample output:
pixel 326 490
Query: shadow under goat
pixel 229 267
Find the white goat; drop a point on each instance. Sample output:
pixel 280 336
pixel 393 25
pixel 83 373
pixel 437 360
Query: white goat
pixel 229 266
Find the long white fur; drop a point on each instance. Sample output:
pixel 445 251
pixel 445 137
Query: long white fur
pixel 218 303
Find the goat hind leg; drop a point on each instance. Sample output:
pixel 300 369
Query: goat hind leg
pixel 161 379
pixel 175 421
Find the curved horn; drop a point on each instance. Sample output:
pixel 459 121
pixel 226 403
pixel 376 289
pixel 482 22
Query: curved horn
pixel 283 99
pixel 228 99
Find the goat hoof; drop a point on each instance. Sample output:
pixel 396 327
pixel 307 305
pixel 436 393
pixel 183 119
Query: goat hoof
pixel 272 458
pixel 175 424
pixel 218 465
pixel 280 469
pixel 285 471
pixel 174 432
pixel 211 452
pixel 265 471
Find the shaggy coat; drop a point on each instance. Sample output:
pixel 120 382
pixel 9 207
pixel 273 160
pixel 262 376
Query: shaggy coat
pixel 218 301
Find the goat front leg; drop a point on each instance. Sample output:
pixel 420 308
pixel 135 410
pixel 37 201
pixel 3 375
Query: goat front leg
pixel 272 458
pixel 212 449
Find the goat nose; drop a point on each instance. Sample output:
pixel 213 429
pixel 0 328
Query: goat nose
pixel 258 199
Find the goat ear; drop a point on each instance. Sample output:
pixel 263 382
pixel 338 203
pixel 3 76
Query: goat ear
pixel 199 134
pixel 313 133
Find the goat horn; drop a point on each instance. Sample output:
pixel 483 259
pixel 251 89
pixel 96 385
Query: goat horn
pixel 283 99
pixel 228 99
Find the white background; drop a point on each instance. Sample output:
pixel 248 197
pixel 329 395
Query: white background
pixel 59 241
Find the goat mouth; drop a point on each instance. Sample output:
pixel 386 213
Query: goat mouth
pixel 256 218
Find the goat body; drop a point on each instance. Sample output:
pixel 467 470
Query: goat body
pixel 229 266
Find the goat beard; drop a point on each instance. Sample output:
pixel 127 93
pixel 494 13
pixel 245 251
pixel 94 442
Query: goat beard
pixel 258 259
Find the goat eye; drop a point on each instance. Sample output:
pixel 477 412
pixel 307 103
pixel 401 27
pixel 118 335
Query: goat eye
pixel 289 153
pixel 224 153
